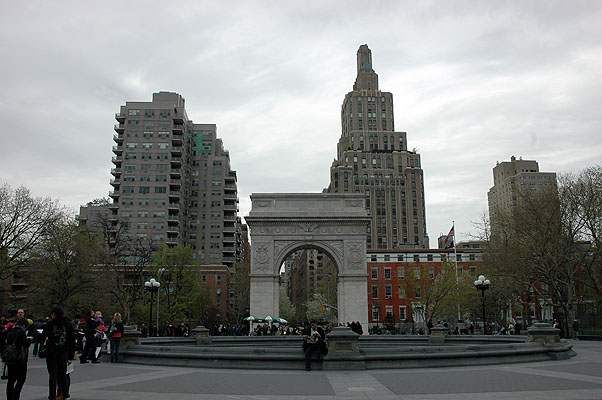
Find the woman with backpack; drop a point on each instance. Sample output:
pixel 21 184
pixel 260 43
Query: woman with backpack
pixel 17 368
pixel 59 339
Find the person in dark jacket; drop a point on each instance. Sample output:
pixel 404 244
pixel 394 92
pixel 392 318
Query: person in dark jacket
pixel 313 343
pixel 115 334
pixel 17 372
pixel 90 331
pixel 60 342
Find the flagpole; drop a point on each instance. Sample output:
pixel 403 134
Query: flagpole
pixel 456 261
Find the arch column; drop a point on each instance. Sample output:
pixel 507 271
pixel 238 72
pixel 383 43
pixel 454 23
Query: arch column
pixel 335 224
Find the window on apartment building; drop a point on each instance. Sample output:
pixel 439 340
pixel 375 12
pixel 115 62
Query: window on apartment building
pixel 431 272
pixel 401 292
pixel 443 257
pixel 374 289
pixel 218 278
pixel 458 257
pixel 417 273
pixel 144 189
pixel 375 312
pixel 418 292
pixel 416 258
pixel 388 273
pixel 401 273
pixel 374 273
pixel 429 257
pixel 473 269
pixel 402 313
pixel 388 291
pixel 389 312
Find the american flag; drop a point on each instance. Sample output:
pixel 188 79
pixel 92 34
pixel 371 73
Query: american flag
pixel 448 243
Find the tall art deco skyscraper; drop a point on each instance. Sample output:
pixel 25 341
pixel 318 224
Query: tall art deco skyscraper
pixel 373 158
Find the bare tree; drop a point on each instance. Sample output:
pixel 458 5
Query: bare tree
pixel 24 220
pixel 63 268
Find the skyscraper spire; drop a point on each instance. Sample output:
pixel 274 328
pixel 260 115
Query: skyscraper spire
pixel 366 77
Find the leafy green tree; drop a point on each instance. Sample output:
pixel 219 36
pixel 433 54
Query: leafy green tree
pixel 438 296
pixel 180 286
pixel 316 309
pixel 241 286
pixel 287 309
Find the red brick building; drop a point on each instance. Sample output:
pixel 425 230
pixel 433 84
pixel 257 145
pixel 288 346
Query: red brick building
pixel 388 302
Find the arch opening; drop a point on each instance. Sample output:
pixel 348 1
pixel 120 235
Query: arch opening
pixel 309 285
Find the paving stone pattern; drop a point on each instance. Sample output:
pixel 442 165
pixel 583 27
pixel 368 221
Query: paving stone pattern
pixel 579 378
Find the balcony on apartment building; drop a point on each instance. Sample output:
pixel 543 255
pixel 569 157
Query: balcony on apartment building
pixel 118 150
pixel 115 182
pixel 116 171
pixel 178 129
pixel 118 138
pixel 176 150
pixel 175 173
pixel 119 128
pixel 114 194
pixel 120 117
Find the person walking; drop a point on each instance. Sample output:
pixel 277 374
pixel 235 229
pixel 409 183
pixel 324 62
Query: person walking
pixel 89 333
pixel 17 371
pixel 60 342
pixel 115 334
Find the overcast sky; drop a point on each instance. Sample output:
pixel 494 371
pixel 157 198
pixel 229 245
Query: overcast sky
pixel 473 82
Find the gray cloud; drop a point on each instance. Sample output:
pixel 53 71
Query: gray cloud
pixel 473 83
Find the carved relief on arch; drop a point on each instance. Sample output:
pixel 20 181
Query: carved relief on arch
pixel 280 246
pixel 261 256
pixel 355 255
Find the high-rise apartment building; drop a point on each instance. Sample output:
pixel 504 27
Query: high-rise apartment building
pixel 514 179
pixel 373 158
pixel 173 182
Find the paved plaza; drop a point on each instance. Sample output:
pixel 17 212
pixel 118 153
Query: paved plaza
pixel 577 378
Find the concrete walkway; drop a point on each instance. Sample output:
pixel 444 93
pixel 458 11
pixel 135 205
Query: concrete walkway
pixel 578 378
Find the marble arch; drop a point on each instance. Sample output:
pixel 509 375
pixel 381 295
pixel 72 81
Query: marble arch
pixel 281 223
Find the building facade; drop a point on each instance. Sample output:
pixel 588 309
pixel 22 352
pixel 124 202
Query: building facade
pixel 392 300
pixel 373 158
pixel 173 181
pixel 513 179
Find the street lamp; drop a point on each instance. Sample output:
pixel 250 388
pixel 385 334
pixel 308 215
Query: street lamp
pixel 161 270
pixel 482 284
pixel 152 286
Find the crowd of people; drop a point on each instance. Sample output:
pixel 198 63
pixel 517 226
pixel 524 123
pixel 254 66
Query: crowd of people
pixel 56 339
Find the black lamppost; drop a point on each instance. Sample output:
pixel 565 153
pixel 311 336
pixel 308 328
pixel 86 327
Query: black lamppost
pixel 152 286
pixel 482 284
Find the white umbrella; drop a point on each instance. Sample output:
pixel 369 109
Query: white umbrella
pixel 250 318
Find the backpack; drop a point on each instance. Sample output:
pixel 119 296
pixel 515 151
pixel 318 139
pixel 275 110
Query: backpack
pixel 59 334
